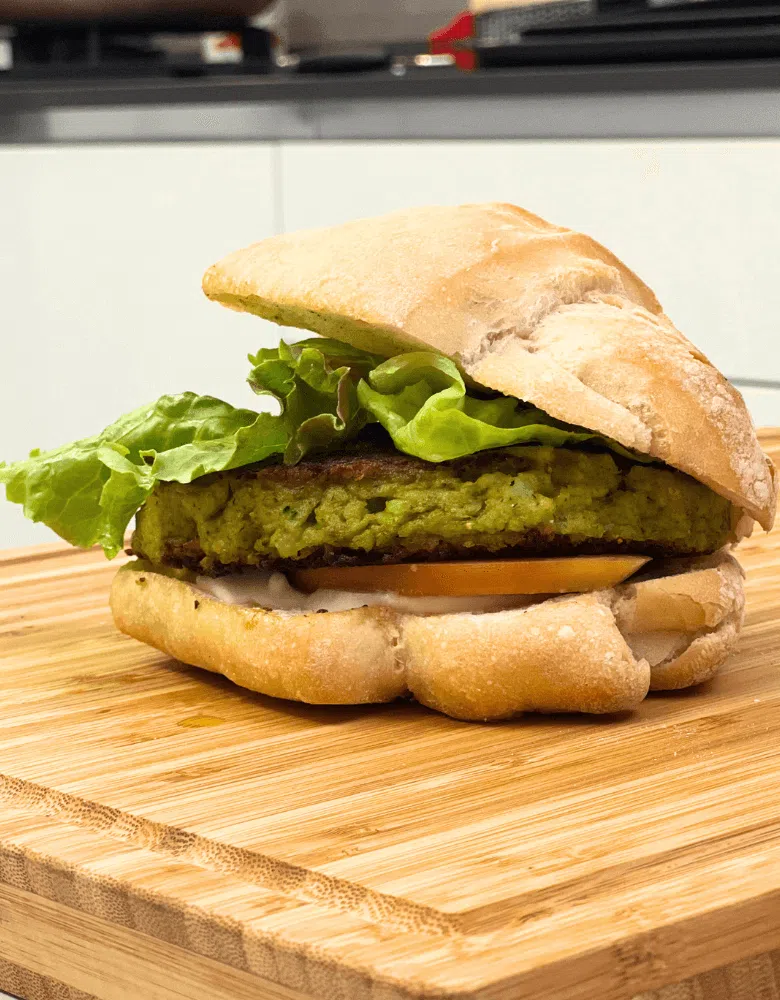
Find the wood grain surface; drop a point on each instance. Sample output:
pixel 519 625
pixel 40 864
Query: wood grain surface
pixel 164 834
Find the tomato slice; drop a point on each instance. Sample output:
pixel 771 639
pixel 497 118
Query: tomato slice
pixel 462 579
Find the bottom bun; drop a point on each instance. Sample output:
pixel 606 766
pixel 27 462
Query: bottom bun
pixel 598 652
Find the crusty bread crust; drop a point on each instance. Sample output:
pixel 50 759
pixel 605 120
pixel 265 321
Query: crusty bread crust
pixel 527 308
pixel 598 652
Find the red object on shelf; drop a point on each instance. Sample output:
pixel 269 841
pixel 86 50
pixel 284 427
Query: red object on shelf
pixel 453 39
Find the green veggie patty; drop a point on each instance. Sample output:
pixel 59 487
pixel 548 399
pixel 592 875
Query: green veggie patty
pixel 350 508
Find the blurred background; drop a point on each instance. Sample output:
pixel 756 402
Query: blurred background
pixel 141 141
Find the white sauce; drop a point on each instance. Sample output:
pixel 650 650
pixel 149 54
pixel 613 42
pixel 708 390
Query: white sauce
pixel 261 589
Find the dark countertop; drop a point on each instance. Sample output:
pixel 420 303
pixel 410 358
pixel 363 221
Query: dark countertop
pixel 18 95
pixel 740 98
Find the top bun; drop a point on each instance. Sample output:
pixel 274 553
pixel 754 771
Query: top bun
pixel 525 308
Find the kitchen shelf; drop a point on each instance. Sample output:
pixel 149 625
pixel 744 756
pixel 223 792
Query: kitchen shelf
pixel 738 98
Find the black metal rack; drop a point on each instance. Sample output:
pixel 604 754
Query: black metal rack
pixel 622 31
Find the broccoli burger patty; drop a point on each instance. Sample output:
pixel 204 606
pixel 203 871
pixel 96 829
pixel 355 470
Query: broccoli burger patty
pixel 378 507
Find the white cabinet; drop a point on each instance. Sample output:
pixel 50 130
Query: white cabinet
pixel 764 405
pixel 101 255
pixel 699 221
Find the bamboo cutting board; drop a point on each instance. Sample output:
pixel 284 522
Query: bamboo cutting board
pixel 164 835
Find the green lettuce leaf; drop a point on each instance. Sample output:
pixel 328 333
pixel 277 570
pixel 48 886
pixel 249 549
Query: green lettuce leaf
pixel 315 381
pixel 88 491
pixel 421 401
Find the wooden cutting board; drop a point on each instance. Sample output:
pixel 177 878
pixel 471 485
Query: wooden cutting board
pixel 165 835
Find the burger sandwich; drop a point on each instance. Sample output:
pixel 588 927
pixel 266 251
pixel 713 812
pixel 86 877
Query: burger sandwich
pixel 498 479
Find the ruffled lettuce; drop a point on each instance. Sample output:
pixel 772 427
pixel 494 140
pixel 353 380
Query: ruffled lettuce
pixel 315 381
pixel 88 491
pixel 421 401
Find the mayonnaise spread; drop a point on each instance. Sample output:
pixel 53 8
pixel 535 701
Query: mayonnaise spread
pixel 261 589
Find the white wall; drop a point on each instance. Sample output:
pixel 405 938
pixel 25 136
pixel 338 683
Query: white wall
pixel 102 250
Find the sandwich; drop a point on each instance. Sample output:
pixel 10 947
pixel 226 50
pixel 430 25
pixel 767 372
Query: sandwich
pixel 488 473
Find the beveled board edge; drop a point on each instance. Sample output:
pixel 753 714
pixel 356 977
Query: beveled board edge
pixel 42 899
pixel 168 919
pixel 44 944
pixel 29 985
